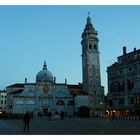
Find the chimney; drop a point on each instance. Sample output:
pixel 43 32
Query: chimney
pixel 65 81
pixel 124 50
pixel 134 49
pixel 25 80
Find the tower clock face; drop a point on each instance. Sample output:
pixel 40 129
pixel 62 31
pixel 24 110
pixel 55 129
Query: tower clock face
pixel 45 89
pixel 90 59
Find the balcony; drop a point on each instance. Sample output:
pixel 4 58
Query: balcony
pixel 114 94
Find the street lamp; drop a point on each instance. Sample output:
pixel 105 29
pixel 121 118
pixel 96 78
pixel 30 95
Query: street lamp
pixel 101 104
pixel 10 106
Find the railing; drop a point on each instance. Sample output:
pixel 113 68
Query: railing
pixel 117 94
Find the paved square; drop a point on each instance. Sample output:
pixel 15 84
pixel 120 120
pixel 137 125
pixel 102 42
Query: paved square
pixel 73 126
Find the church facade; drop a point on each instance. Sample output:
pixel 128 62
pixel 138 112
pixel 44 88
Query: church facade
pixel 42 96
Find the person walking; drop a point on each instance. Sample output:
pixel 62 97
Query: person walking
pixel 113 116
pixel 49 115
pixel 26 121
pixel 62 115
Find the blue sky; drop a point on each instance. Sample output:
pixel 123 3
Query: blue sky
pixel 31 34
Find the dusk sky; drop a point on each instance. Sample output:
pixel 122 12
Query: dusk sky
pixel 31 34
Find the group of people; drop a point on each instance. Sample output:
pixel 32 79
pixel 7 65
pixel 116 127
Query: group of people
pixel 62 115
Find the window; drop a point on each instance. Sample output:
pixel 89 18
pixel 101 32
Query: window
pixel 129 58
pixel 130 68
pixel 1 101
pixel 30 102
pixel 5 102
pixel 90 46
pixel 19 102
pixel 115 87
pixel 120 71
pixel 129 84
pixel 119 60
pixel 60 102
pixel 95 47
pixel 131 100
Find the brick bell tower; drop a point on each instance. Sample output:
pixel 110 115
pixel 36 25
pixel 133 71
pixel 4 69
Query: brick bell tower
pixel 91 66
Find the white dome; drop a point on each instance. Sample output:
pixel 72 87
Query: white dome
pixel 44 75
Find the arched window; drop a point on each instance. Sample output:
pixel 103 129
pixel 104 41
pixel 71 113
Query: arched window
pixel 95 47
pixel 60 102
pixel 90 46
pixel 115 87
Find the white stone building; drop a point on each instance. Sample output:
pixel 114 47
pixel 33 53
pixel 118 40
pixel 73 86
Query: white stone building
pixel 43 96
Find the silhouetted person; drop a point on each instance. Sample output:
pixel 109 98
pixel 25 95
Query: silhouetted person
pixel 49 115
pixel 113 116
pixel 62 115
pixel 26 121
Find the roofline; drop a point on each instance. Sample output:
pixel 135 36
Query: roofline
pixel 128 53
pixel 19 85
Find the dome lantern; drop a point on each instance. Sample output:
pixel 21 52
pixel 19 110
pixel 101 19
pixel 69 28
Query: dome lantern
pixel 44 66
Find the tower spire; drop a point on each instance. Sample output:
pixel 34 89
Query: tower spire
pixel 45 65
pixel 89 23
pixel 89 31
pixel 88 19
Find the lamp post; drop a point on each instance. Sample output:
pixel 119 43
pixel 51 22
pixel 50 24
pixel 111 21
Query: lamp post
pixel 101 105
pixel 73 104
pixel 10 106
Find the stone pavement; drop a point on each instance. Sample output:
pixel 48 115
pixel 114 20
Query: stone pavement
pixel 73 126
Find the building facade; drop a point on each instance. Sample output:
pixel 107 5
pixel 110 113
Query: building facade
pixel 40 97
pixel 123 84
pixel 91 67
pixel 3 99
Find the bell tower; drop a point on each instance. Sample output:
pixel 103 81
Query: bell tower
pixel 91 66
